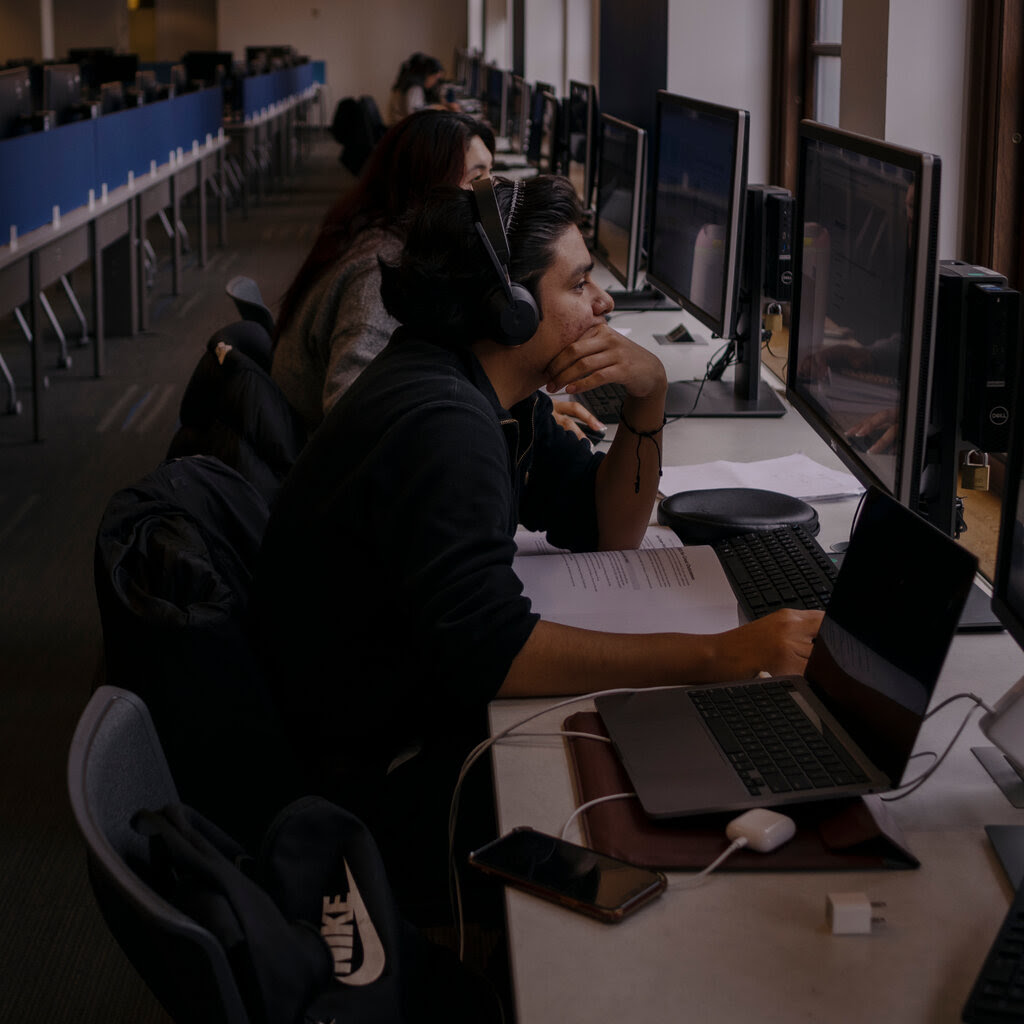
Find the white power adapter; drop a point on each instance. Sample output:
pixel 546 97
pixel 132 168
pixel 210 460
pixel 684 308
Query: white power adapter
pixel 1004 725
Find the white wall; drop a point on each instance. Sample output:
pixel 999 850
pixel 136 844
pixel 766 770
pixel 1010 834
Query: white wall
pixel 926 95
pixel 544 50
pixel 721 52
pixel 362 43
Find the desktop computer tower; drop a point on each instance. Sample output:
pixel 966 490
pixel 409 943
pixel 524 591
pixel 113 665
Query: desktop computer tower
pixel 979 321
pixel 977 342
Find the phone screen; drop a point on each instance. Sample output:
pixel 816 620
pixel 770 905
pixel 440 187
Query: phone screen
pixel 569 874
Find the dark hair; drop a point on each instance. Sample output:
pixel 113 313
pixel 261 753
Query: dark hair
pixel 439 287
pixel 415 70
pixel 422 151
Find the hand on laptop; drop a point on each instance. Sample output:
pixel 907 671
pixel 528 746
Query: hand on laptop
pixel 779 644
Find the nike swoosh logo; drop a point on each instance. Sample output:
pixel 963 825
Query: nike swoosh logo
pixel 374 957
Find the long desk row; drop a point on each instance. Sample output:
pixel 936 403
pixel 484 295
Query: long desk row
pixel 109 233
pixel 755 945
pixel 128 168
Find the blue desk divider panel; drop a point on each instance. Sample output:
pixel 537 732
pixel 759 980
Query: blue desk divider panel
pixel 121 146
pixel 318 71
pixel 43 170
pixel 259 91
pixel 196 115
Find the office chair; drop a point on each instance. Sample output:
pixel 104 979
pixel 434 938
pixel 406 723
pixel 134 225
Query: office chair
pixel 116 766
pixel 233 409
pixel 245 293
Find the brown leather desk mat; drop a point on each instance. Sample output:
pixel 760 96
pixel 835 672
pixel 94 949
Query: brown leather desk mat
pixel 832 835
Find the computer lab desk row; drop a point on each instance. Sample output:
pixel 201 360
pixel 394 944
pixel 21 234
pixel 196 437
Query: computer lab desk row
pixel 110 235
pixel 755 945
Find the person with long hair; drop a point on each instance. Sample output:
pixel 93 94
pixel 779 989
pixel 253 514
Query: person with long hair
pixel 332 321
pixel 414 87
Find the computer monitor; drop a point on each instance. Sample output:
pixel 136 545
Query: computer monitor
pixel 111 97
pixel 864 300
pixel 695 250
pixel 621 187
pixel 542 150
pixel 517 114
pixel 15 102
pixel 1008 584
pixel 62 91
pixel 114 67
pixel 582 139
pixel 696 232
pixel 210 67
pixel 495 98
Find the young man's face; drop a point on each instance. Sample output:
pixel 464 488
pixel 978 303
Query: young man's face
pixel 570 302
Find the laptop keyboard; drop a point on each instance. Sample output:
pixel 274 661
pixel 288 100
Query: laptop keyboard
pixel 783 567
pixel 604 401
pixel 770 741
pixel 998 993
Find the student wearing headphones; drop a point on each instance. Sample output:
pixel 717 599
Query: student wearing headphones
pixel 332 321
pixel 386 594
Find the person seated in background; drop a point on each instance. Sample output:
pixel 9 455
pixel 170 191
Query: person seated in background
pixel 332 321
pixel 385 593
pixel 415 87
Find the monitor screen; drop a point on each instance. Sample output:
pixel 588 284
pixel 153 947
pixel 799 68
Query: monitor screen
pixel 696 230
pixel 864 299
pixel 495 98
pixel 582 139
pixel 1008 584
pixel 542 151
pixel 62 91
pixel 622 170
pixel 15 101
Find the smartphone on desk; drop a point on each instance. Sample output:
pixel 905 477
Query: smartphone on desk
pixel 567 874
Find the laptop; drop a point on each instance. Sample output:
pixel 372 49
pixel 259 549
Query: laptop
pixel 856 710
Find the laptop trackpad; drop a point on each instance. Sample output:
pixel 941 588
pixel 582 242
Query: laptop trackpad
pixel 668 753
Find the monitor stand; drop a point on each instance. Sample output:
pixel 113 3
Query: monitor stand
pixel 716 398
pixel 640 299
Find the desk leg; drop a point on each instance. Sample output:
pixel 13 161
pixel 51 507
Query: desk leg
pixel 96 256
pixel 222 199
pixel 120 297
pixel 201 189
pixel 140 263
pixel 175 236
pixel 34 320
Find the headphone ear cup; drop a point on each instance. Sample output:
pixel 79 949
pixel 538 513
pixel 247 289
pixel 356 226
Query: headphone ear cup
pixel 517 321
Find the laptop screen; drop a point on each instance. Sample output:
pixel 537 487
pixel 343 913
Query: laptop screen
pixel 889 624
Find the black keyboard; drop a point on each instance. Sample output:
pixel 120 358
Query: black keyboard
pixel 771 742
pixel 784 567
pixel 998 993
pixel 604 401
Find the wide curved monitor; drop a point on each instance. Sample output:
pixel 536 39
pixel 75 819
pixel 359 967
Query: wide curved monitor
pixel 864 300
pixel 695 241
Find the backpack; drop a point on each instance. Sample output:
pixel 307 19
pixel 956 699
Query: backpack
pixel 309 925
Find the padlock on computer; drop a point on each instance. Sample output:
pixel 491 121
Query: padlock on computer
pixel 974 474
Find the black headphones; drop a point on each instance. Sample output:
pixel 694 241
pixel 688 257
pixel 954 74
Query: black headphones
pixel 510 306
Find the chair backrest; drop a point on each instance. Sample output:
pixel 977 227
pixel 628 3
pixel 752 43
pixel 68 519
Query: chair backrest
pixel 233 409
pixel 173 565
pixel 116 767
pixel 249 302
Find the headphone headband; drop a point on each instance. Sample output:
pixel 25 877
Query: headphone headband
pixel 515 313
